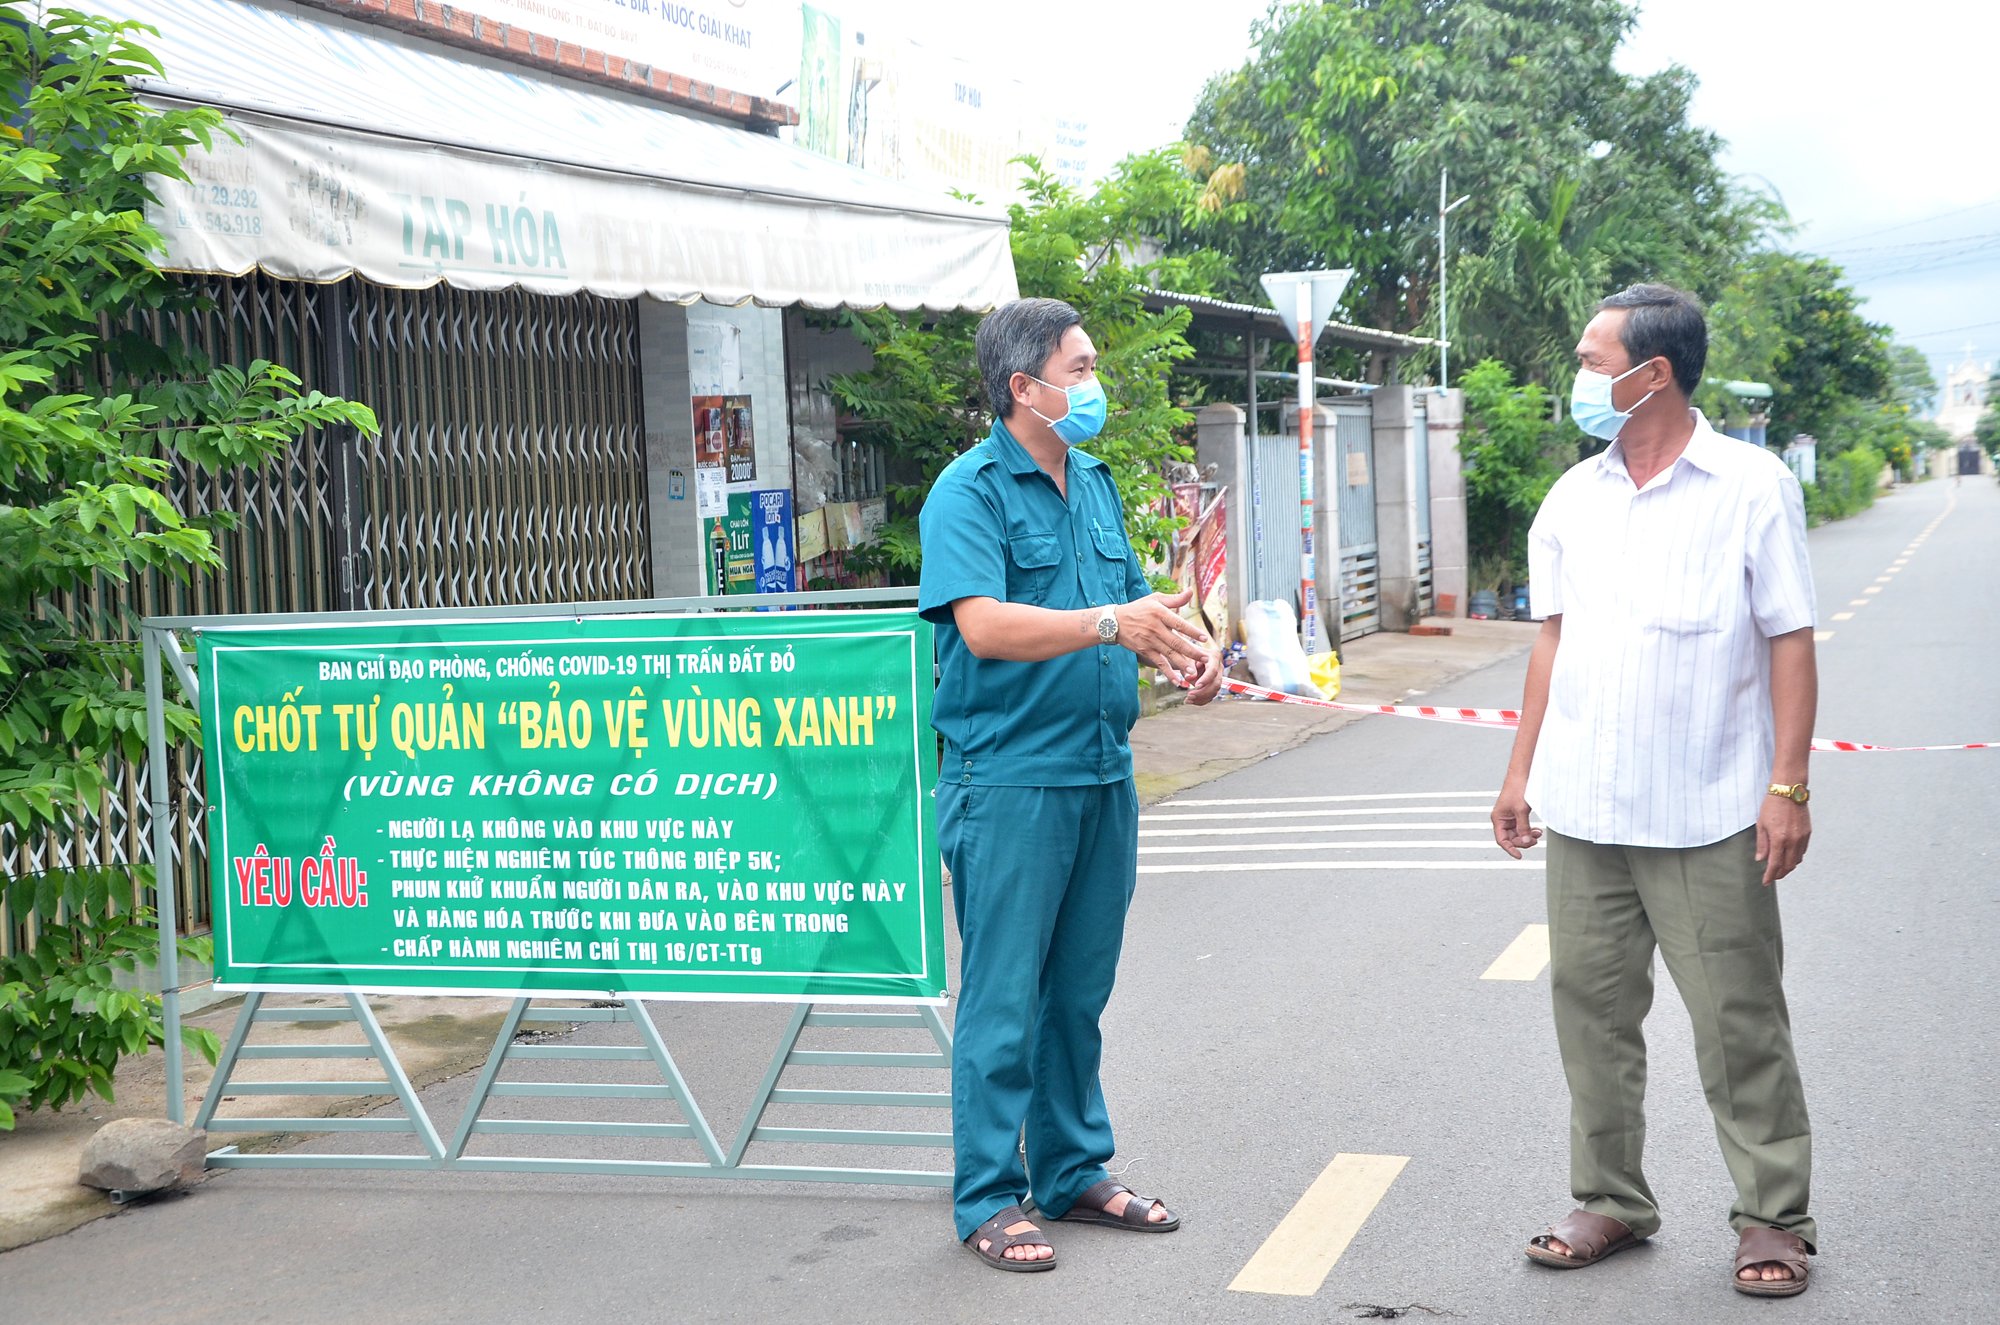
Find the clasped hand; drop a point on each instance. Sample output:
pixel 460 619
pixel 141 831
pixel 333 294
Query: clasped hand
pixel 1153 628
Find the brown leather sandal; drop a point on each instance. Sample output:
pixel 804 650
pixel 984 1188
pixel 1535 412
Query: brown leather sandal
pixel 997 1239
pixel 1590 1238
pixel 1137 1217
pixel 1770 1246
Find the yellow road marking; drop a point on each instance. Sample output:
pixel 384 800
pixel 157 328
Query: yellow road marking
pixel 1296 1259
pixel 1857 602
pixel 1524 958
pixel 1822 636
pixel 1873 588
pixel 1843 616
pixel 1883 579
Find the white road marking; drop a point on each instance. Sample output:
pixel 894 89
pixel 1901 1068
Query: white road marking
pixel 1473 845
pixel 1301 1251
pixel 1859 602
pixel 1268 866
pixel 1822 636
pixel 1843 616
pixel 1524 958
pixel 1872 589
pixel 1301 814
pixel 1146 833
pixel 1335 800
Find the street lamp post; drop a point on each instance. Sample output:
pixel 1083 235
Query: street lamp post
pixel 1444 306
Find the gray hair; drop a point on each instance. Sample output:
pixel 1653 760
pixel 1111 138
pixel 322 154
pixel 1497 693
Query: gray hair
pixel 1663 322
pixel 1019 338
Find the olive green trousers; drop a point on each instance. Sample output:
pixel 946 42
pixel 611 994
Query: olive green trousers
pixel 1709 914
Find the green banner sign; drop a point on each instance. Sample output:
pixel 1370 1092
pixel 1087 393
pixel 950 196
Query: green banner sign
pixel 713 806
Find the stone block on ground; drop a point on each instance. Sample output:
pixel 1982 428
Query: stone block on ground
pixel 143 1155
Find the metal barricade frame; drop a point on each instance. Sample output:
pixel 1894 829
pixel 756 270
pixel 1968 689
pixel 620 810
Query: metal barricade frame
pixel 162 648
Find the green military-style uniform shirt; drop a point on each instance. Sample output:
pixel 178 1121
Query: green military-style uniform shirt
pixel 995 526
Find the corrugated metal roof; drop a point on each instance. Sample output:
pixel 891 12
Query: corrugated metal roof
pixel 1268 320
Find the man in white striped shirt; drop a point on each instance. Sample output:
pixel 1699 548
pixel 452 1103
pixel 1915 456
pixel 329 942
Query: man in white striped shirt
pixel 1663 741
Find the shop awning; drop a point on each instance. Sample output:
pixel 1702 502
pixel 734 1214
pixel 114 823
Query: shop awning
pixel 367 152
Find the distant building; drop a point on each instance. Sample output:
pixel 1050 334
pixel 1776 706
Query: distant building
pixel 1963 399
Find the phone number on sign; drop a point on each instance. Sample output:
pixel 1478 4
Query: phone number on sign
pixel 221 224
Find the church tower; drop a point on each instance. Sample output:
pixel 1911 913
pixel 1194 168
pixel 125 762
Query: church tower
pixel 1963 399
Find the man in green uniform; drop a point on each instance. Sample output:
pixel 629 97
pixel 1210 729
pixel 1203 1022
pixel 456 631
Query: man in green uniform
pixel 1042 616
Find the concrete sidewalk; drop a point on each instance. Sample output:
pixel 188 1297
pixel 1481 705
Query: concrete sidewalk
pixel 438 1038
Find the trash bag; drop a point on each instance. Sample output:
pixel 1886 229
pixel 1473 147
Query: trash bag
pixel 1271 647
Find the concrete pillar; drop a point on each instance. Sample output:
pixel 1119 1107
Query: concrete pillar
pixel 1397 491
pixel 1220 447
pixel 1450 562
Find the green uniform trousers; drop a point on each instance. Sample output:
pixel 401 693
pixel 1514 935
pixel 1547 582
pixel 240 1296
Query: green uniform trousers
pixel 1714 921
pixel 1041 878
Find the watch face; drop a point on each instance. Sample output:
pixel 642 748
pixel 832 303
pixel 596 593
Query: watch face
pixel 1107 627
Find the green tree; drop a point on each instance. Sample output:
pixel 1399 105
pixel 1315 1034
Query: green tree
pixel 1794 322
pixel 93 421
pixel 1986 431
pixel 1912 384
pixel 1514 453
pixel 1581 179
pixel 922 400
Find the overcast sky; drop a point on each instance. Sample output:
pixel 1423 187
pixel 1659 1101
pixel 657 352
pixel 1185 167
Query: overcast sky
pixel 1876 125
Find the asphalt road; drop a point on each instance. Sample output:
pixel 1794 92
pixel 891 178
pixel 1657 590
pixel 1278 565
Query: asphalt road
pixel 1302 981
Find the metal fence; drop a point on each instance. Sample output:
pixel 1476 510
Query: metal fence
pixel 1354 480
pixel 511 468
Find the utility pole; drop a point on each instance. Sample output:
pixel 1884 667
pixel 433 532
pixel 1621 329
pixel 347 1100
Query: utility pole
pixel 1444 306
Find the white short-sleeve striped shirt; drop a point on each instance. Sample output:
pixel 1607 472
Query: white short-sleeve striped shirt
pixel 1659 730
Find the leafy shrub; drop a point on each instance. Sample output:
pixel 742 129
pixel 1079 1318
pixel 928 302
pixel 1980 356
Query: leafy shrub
pixel 93 418
pixel 1847 484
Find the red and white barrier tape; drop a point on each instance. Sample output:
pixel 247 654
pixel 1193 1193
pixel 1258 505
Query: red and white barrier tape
pixel 1464 717
pixel 1823 745
pixel 1512 718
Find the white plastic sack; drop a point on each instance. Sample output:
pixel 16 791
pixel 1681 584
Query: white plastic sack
pixel 1271 647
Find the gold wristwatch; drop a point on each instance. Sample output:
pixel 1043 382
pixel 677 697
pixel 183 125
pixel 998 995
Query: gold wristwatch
pixel 1795 792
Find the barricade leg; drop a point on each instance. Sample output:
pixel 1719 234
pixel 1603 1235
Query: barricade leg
pixel 790 1055
pixel 651 1049
pixel 394 1083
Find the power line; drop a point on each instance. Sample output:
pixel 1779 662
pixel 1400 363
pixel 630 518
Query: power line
pixel 1915 243
pixel 1975 256
pixel 1953 331
pixel 1922 220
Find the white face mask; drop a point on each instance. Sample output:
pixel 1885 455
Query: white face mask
pixel 1590 403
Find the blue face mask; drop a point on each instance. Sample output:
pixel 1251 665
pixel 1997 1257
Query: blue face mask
pixel 1087 408
pixel 1590 403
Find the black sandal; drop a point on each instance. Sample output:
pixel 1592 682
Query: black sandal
pixel 994 1233
pixel 1089 1209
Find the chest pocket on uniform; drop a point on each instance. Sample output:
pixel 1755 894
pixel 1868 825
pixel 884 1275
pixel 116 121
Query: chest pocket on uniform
pixel 1699 596
pixel 1031 567
pixel 1113 552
